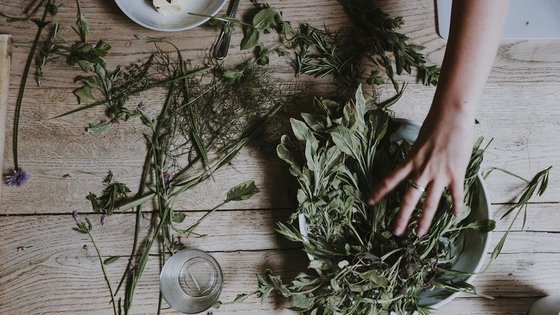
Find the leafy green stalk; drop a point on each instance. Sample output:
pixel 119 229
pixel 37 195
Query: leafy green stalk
pixel 537 185
pixel 85 228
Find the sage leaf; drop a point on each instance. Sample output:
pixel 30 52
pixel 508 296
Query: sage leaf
pixel 375 277
pixel 301 303
pixel 345 141
pixel 98 128
pixel 243 191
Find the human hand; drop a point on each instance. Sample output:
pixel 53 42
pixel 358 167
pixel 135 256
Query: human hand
pixel 439 159
pixel 441 154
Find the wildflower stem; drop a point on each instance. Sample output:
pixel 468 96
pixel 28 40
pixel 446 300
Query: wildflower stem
pixel 104 272
pixel 41 25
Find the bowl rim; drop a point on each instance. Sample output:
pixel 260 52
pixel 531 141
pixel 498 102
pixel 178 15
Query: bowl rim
pixel 172 29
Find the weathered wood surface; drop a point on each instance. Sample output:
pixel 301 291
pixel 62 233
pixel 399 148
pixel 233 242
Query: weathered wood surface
pixel 6 49
pixel 45 270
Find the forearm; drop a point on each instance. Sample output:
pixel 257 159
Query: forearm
pixel 476 27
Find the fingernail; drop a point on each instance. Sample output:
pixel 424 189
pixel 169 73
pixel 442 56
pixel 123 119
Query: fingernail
pixel 398 231
pixel 420 232
pixel 371 202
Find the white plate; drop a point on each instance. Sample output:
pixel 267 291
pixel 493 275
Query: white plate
pixel 145 14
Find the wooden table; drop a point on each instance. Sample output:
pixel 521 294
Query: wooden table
pixel 45 269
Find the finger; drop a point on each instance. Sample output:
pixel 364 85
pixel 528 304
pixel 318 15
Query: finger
pixel 430 208
pixel 390 182
pixel 410 200
pixel 456 189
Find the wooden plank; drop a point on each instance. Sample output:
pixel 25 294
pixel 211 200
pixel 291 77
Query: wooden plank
pixel 52 148
pixel 518 61
pixel 5 65
pixel 69 280
pixel 480 306
pixel 226 231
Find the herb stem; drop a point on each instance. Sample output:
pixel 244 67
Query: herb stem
pixel 190 230
pixel 104 272
pixel 19 101
pixel 158 83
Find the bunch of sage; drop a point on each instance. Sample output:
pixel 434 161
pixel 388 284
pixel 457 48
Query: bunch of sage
pixel 359 266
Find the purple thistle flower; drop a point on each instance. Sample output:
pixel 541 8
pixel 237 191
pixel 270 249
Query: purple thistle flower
pixel 75 216
pixel 103 219
pixel 167 176
pixel 16 178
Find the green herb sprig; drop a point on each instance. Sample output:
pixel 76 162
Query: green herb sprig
pixel 186 148
pixel 373 36
pixel 85 227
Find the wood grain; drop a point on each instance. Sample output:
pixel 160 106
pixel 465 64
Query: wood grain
pixel 5 65
pixel 44 268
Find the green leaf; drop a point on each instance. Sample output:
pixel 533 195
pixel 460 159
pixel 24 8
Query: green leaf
pixel 484 226
pixel 217 304
pixel 314 121
pixel 91 81
pixel 83 94
pixel 300 129
pixel 110 260
pixel 178 217
pixel 98 128
pixel 264 19
pixel 361 103
pixel 240 298
pixel 375 277
pixel 345 141
pixel 79 230
pixel 301 303
pixel 243 191
pixel 250 38
pixel 350 118
pixel 233 75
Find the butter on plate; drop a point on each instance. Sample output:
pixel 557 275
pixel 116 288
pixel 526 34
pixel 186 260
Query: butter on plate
pixel 168 7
